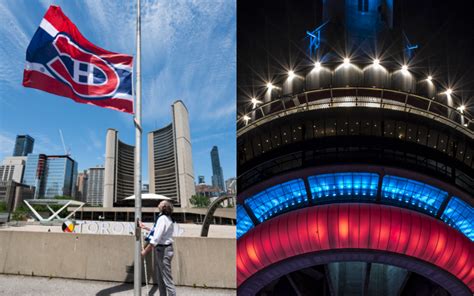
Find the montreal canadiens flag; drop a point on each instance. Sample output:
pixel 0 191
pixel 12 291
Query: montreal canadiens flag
pixel 59 60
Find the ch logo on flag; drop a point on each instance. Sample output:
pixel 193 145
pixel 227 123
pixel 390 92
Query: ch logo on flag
pixel 61 61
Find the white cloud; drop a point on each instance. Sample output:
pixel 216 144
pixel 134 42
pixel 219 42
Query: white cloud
pixel 224 111
pixel 212 136
pixel 7 142
pixel 43 144
pixel 14 39
pixel 94 139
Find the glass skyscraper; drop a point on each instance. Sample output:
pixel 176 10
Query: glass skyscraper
pixel 51 175
pixel 60 174
pixel 217 175
pixel 34 171
pixel 23 145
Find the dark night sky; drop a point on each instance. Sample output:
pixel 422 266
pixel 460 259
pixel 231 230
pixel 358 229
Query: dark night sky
pixel 270 38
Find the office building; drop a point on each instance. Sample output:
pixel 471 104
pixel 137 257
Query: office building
pixel 51 175
pixel 146 188
pixel 95 186
pixel 217 174
pixel 201 180
pixel 231 185
pixel 13 193
pixel 170 163
pixel 81 186
pixel 119 170
pixel 34 173
pixel 12 168
pixel 23 145
pixel 355 169
pixel 61 175
pixel 207 190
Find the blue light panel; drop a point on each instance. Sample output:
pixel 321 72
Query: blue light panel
pixel 278 199
pixel 413 193
pixel 344 186
pixel 244 223
pixel 460 215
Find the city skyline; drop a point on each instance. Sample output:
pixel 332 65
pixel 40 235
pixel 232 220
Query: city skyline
pixel 197 78
pixel 7 157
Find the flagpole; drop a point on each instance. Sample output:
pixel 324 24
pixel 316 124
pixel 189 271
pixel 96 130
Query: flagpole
pixel 137 279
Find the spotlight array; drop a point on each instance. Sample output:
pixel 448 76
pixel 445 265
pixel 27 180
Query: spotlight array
pixel 346 62
pixel 291 74
pixel 254 102
pixel 246 118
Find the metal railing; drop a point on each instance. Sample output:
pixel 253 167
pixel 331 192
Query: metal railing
pixel 357 97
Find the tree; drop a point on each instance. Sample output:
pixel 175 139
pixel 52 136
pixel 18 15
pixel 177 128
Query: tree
pixel 3 206
pixel 200 201
pixel 20 214
pixel 63 197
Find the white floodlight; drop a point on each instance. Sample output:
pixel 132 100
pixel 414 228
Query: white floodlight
pixel 291 74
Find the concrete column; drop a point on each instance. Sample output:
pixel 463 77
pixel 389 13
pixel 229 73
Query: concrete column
pixel 151 164
pixel 183 153
pixel 110 168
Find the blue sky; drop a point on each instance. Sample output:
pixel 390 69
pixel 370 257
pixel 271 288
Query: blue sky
pixel 188 53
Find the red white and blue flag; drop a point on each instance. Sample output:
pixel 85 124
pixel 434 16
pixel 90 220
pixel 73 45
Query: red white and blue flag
pixel 59 60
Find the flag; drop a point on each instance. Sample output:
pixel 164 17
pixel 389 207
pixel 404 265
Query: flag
pixel 59 60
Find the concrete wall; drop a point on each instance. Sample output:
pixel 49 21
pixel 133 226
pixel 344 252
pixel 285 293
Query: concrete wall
pixel 198 261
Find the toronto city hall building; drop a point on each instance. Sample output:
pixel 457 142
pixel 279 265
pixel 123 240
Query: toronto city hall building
pixel 355 175
pixel 119 170
pixel 170 160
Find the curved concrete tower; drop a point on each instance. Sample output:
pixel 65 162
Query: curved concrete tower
pixel 170 162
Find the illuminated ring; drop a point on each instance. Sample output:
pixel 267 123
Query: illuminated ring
pixel 358 232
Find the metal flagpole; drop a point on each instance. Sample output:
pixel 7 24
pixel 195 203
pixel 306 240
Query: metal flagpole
pixel 137 279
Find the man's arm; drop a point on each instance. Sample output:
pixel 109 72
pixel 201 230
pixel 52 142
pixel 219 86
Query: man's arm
pixel 157 234
pixel 147 250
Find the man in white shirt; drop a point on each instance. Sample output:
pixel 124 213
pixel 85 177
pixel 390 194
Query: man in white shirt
pixel 160 239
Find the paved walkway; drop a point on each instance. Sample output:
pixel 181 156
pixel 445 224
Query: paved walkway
pixel 13 285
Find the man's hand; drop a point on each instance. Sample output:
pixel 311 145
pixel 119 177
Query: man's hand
pixel 143 226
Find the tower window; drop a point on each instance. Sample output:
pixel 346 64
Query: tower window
pixel 363 5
